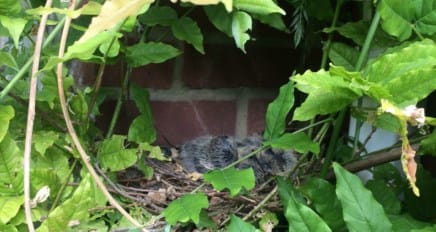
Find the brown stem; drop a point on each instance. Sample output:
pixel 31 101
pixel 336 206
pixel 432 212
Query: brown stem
pixel 373 160
pixel 31 119
pixel 72 132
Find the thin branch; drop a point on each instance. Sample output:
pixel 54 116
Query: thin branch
pixel 30 120
pixel 72 132
pixel 262 203
pixel 373 160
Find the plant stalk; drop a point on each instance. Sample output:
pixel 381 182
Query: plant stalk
pixel 341 116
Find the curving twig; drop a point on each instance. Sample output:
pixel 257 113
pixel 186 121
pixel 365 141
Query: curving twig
pixel 72 132
pixel 31 119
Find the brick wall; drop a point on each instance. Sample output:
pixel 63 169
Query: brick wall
pixel 222 92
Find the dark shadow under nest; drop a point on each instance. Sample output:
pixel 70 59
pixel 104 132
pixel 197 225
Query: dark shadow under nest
pixel 170 182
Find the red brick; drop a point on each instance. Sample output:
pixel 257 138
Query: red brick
pixel 256 115
pixel 182 121
pixel 225 66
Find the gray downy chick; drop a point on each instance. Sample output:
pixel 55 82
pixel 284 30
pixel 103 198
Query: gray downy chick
pixel 207 153
pixel 266 163
pixel 214 152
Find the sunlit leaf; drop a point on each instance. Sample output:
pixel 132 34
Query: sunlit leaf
pixel 110 48
pixel 43 140
pixel 84 50
pixel 187 30
pixel 232 179
pixel 112 154
pixel 145 53
pixel 278 111
pixel 327 94
pixel 75 208
pixel 15 27
pixel 10 207
pixel 6 114
pixel 187 207
pixel 361 211
pixel 241 23
pixel 237 225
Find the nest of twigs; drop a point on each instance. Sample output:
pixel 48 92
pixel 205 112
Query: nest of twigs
pixel 170 181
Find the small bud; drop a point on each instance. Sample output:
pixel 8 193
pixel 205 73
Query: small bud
pixel 41 196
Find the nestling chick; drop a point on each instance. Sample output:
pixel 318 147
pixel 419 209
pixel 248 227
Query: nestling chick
pixel 208 153
pixel 213 152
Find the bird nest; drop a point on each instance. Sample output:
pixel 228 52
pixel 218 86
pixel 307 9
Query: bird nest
pixel 170 181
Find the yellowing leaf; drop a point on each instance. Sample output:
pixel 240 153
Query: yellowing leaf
pixel 112 13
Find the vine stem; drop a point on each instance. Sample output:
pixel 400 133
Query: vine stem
pixel 31 119
pixel 72 132
pixel 341 116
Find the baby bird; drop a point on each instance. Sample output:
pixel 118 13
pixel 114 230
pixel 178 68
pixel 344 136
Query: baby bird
pixel 208 153
pixel 214 152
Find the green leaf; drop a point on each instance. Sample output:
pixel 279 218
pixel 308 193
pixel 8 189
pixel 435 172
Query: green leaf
pixel 220 18
pixel 300 142
pixel 187 30
pixel 112 154
pixel 54 159
pixel 11 169
pixel 114 48
pixel 278 111
pixel 401 18
pixel 407 74
pixel 241 23
pixel 428 145
pixel 7 59
pixel 274 20
pixel 154 151
pixel 15 27
pixel 237 225
pixel 10 207
pixel 84 50
pixel 6 114
pixel 142 128
pixel 323 197
pixel 75 208
pixel 159 15
pixel 146 53
pixel 262 7
pixel 299 216
pixel 396 15
pixel 405 223
pixel 10 7
pixel 343 55
pixel 361 211
pixel 385 195
pixel 231 179
pixel 327 94
pixel 43 140
pixel 187 207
